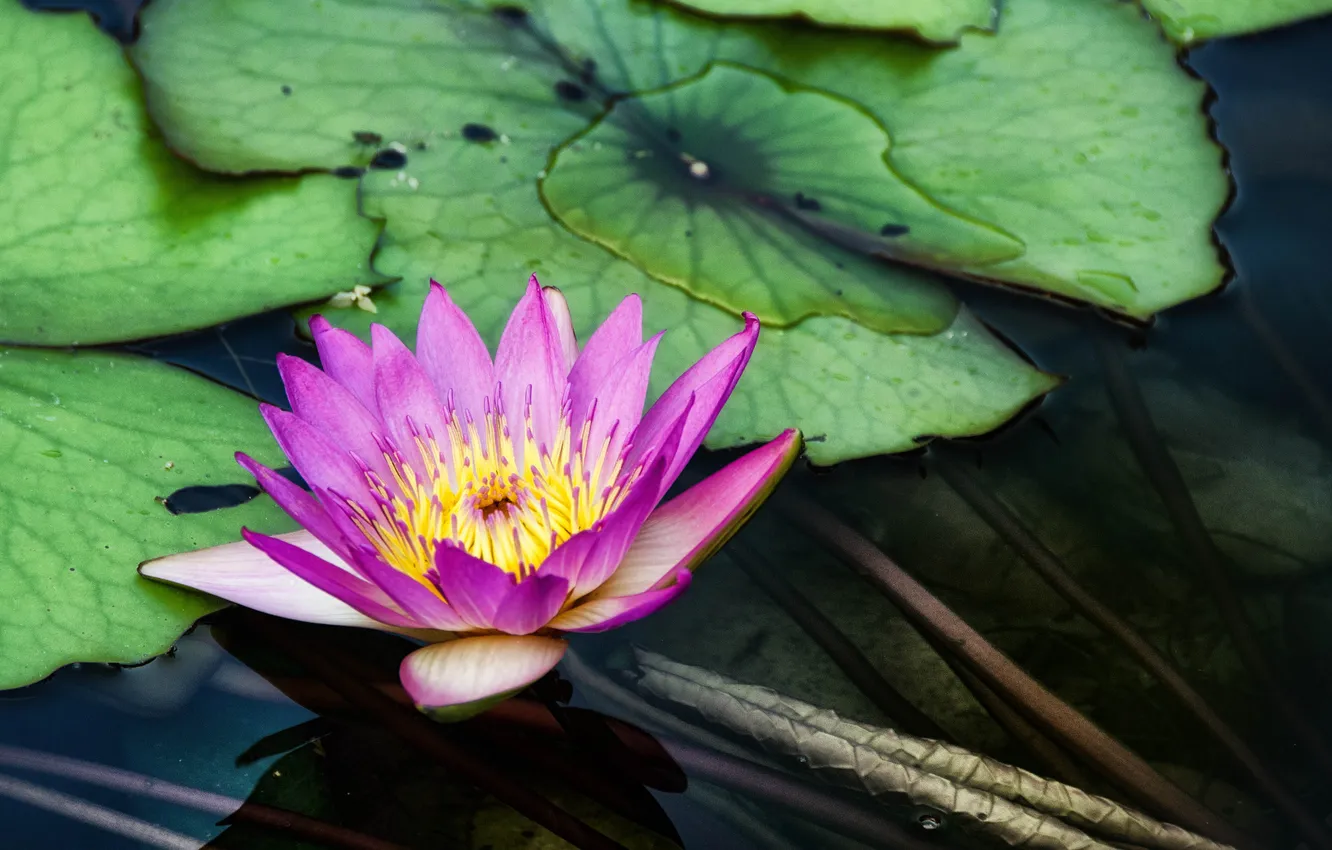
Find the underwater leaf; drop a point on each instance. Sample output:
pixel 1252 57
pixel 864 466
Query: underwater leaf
pixel 107 236
pixel 91 440
pixel 372 783
pixel 1190 21
pixel 456 181
pixel 932 20
pixel 1009 803
pixel 296 783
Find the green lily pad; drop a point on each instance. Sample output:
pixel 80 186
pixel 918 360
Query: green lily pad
pixel 465 206
pixel 1190 21
pixel 1072 130
pixel 91 440
pixel 714 185
pixel 475 222
pixel 932 20
pixel 108 236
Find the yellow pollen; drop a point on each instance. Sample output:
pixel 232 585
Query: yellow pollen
pixel 468 490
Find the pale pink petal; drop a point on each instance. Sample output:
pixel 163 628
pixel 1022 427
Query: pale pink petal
pixel 345 359
pixel 694 525
pixel 708 383
pixel 331 409
pixel 620 334
pixel 605 613
pixel 453 354
pixel 457 679
pixel 564 329
pixel 332 577
pixel 530 368
pixel 240 573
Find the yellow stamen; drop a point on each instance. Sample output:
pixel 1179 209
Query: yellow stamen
pixel 480 500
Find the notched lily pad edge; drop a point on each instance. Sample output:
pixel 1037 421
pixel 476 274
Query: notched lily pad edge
pixel 803 19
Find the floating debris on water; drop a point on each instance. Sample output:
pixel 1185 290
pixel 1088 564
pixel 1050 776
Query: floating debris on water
pixel 358 296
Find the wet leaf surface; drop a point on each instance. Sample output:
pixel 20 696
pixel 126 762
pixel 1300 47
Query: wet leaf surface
pixel 1189 21
pixel 91 442
pixel 109 237
pixel 730 203
pixel 932 20
pixel 464 205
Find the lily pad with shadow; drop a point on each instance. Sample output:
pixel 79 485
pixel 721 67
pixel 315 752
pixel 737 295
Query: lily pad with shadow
pixel 93 441
pixel 108 236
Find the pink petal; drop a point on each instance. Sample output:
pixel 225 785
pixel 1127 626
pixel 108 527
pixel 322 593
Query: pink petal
pixel 618 404
pixel 420 602
pixel 408 404
pixel 709 383
pixel 323 464
pixel 474 588
pixel 530 365
pixel 531 604
pixel 605 613
pixel 588 558
pixel 620 334
pixel 345 359
pixel 457 679
pixel 299 504
pixel 453 354
pixel 332 578
pixel 240 573
pixel 564 329
pixel 331 409
pixel 691 527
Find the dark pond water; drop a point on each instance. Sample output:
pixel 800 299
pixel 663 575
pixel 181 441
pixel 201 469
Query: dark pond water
pixel 1179 482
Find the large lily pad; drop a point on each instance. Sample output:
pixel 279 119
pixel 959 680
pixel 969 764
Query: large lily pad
pixel 932 20
pixel 107 236
pixel 1073 130
pixel 1092 158
pixel 1190 21
pixel 730 203
pixel 91 440
pixel 476 223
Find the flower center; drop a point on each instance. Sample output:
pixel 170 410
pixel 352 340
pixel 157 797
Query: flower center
pixel 466 489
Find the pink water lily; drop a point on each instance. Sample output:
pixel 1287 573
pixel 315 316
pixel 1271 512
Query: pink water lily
pixel 484 506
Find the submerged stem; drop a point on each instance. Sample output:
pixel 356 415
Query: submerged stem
pixel 1133 775
pixel 1051 569
pixel 1285 359
pixel 1159 467
pixel 230 809
pixel 846 655
pixel 83 811
pixel 743 772
pixel 1047 751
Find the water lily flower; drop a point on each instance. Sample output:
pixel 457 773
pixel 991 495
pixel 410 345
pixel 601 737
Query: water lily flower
pixel 485 507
